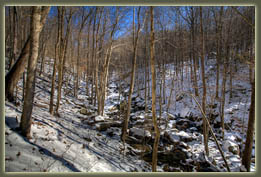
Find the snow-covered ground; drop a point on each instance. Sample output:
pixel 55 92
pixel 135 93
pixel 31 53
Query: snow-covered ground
pixel 75 141
pixel 61 144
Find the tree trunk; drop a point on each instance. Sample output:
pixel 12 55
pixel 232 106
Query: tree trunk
pixel 93 64
pixel 205 128
pixel 31 71
pixel 13 76
pixel 153 75
pixel 135 43
pixel 246 160
pixel 14 42
pixel 219 48
pixel 55 63
pixel 62 59
pixel 43 58
pixel 193 53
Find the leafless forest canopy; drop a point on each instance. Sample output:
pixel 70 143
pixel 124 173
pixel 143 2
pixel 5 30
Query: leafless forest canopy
pixel 170 88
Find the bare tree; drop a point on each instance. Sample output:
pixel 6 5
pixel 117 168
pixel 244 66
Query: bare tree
pixel 205 128
pixel 135 43
pixel 246 160
pixel 31 71
pixel 153 75
pixel 13 76
pixel 62 56
pixel 56 56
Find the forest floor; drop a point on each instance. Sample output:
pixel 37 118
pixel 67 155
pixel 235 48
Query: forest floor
pixel 80 141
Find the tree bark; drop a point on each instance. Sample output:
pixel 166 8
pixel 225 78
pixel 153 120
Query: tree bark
pixel 62 60
pixel 153 75
pixel 193 52
pixel 135 43
pixel 219 48
pixel 31 71
pixel 246 160
pixel 14 42
pixel 13 76
pixel 57 44
pixel 205 128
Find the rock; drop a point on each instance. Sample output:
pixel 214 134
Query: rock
pixel 116 124
pixel 178 155
pixel 113 131
pixel 142 148
pixel 87 139
pixel 183 145
pixel 185 136
pixel 171 117
pixel 103 126
pixel 84 111
pixel 208 169
pixel 182 124
pixel 139 133
pixel 139 122
pixel 169 157
pixel 243 168
pixel 217 124
pixel 193 129
pixel 179 97
pixel 113 108
pixel 212 106
pixel 205 167
pixel 123 105
pixel 89 122
pixel 99 119
pixel 171 137
pixel 230 146
pixel 132 140
pixel 110 133
pixel 185 112
pixel 168 168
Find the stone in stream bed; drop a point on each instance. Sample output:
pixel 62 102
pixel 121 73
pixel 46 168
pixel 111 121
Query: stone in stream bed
pixel 84 111
pixel 230 146
pixel 170 157
pixel 140 148
pixel 205 167
pixel 168 168
pixel 103 126
pixel 171 137
pixel 132 140
pixel 139 133
pixel 177 136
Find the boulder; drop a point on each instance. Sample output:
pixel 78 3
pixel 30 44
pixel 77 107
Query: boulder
pixel 204 166
pixel 186 137
pixel 182 124
pixel 132 140
pixel 169 157
pixel 123 105
pixel 142 148
pixel 168 168
pixel 179 97
pixel 185 112
pixel 103 126
pixel 139 133
pixel 230 146
pixel 84 111
pixel 116 124
pixel 171 137
pixel 99 119
pixel 89 122
pixel 171 117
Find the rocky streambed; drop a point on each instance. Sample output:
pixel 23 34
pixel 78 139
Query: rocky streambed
pixel 180 147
